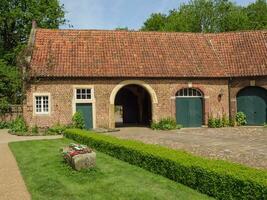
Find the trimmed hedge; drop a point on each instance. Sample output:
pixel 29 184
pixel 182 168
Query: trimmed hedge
pixel 217 178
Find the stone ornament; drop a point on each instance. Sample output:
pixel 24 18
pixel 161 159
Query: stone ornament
pixel 79 156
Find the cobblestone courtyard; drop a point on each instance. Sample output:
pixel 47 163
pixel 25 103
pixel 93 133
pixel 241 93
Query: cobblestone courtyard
pixel 246 145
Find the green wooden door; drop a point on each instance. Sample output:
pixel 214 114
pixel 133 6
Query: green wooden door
pixel 189 111
pixel 86 110
pixel 253 102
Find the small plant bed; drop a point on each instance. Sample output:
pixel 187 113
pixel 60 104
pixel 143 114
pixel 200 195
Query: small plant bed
pixel 79 156
pixel 238 120
pixel 48 177
pixel 165 124
pixel 218 178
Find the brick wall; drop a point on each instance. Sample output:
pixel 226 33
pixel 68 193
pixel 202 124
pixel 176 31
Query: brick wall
pixel 62 98
pixel 236 84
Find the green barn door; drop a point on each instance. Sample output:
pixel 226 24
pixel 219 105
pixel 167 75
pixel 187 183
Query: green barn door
pixel 189 111
pixel 253 102
pixel 86 110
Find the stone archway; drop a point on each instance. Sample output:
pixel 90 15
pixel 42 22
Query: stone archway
pixel 123 84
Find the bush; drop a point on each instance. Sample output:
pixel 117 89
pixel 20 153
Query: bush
pixel 4 124
pixel 241 119
pixel 165 124
pixel 35 129
pixel 232 122
pixel 78 120
pixel 211 122
pixel 218 122
pixel 18 125
pixel 217 178
pixel 225 121
pixel 57 129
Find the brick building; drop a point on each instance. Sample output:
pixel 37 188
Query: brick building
pixel 145 76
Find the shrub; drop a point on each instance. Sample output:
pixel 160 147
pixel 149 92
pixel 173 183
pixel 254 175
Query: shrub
pixel 18 125
pixel 4 124
pixel 217 178
pixel 211 122
pixel 56 129
pixel 35 129
pixel 225 121
pixel 165 124
pixel 218 122
pixel 232 122
pixel 241 119
pixel 78 120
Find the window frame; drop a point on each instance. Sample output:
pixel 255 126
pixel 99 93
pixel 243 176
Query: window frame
pixel 81 94
pixel 189 93
pixel 35 113
pixel 92 100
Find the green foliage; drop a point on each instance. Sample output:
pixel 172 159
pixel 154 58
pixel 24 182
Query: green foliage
pixel 16 21
pixel 221 179
pixel 165 124
pixel 122 28
pixel 218 122
pixel 225 121
pixel 210 16
pixel 18 125
pixel 10 84
pixel 111 178
pixel 241 119
pixel 5 125
pixel 78 120
pixel 15 25
pixel 232 122
pixel 35 129
pixel 56 129
pixel 257 14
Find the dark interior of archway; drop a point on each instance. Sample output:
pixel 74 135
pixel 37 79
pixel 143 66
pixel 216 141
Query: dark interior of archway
pixel 135 104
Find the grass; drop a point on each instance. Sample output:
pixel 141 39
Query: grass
pixel 48 177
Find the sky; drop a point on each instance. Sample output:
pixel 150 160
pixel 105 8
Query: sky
pixel 111 14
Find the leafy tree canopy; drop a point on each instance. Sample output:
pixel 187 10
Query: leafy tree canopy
pixel 16 18
pixel 210 16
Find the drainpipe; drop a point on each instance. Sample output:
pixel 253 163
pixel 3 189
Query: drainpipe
pixel 229 97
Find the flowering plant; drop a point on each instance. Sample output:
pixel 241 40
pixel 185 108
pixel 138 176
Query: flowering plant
pixel 75 149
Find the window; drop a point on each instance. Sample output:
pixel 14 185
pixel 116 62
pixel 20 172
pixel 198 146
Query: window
pixel 189 92
pixel 83 93
pixel 42 104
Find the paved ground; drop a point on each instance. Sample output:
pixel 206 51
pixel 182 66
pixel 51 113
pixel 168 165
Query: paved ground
pixel 12 186
pixel 246 145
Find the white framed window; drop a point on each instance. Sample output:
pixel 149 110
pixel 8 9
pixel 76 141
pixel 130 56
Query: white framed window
pixel 41 103
pixel 189 92
pixel 83 93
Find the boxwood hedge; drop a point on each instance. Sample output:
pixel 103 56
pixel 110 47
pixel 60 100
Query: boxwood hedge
pixel 217 178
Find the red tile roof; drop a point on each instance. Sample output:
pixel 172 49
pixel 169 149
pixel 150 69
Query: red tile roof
pixel 97 53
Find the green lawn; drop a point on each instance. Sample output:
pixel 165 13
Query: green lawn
pixel 48 177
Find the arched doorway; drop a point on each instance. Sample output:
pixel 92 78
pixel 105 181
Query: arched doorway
pixel 252 101
pixel 189 107
pixel 133 106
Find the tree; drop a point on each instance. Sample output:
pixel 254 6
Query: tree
pixel 10 85
pixel 15 24
pixel 156 22
pixel 16 19
pixel 257 14
pixel 210 16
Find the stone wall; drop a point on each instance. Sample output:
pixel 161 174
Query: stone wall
pixel 61 92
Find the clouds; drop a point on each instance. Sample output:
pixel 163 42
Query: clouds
pixel 110 14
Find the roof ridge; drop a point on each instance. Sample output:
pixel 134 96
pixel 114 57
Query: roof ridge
pixel 155 32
